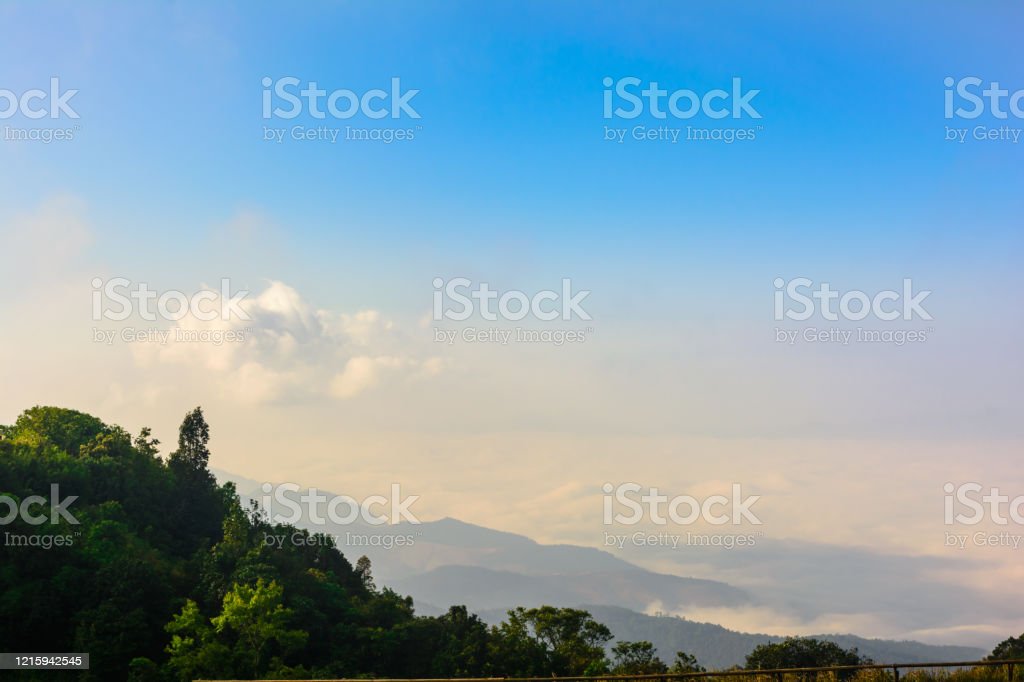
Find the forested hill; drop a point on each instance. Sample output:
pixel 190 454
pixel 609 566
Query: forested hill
pixel 160 574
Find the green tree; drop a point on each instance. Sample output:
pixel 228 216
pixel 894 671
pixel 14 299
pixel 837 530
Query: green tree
pixel 145 444
pixel 514 651
pixel 199 509
pixel 259 619
pixel 1009 649
pixel 142 669
pixel 636 658
pixel 65 429
pixel 194 651
pixel 192 455
pixel 686 663
pixel 365 572
pixel 802 652
pixel 249 636
pixel 573 640
pixel 463 647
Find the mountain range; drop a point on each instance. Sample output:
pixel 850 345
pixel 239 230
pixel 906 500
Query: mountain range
pixel 447 562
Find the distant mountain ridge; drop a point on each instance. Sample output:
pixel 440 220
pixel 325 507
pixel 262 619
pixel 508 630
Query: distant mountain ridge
pixel 452 562
pixel 483 588
pixel 717 647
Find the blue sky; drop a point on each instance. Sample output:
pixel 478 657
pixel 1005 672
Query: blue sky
pixel 510 98
pixel 510 152
pixel 850 171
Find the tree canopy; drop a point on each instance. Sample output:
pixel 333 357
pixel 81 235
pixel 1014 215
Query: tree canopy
pixel 802 652
pixel 1009 649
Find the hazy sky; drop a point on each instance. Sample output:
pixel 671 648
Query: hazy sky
pixel 681 382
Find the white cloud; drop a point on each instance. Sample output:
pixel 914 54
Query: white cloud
pixel 365 326
pixel 362 373
pixel 771 621
pixel 291 350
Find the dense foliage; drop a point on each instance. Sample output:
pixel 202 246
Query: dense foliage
pixel 1009 649
pixel 803 652
pixel 160 574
